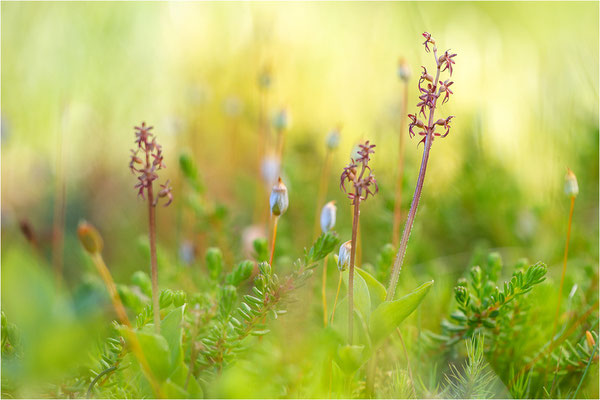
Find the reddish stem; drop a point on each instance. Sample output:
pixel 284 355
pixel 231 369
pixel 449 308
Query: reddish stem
pixel 351 269
pixel 153 263
pixel 417 196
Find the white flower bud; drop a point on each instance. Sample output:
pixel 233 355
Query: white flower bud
pixel 344 255
pixel 328 216
pixel 333 139
pixel 571 186
pixel 279 199
pixel 403 70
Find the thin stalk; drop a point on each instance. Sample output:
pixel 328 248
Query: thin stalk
pixel 398 196
pixel 153 263
pixel 58 227
pixel 324 290
pixel 351 269
pixel 273 240
pixel 124 319
pixel 337 294
pixel 564 269
pixel 415 201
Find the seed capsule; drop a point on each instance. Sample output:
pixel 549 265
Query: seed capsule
pixel 328 216
pixel 571 186
pixel 344 255
pixel 279 199
pixel 89 237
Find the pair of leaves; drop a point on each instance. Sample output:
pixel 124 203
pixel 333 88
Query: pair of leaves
pixel 376 318
pixel 164 355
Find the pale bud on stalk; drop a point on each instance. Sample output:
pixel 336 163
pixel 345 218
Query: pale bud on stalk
pixel 333 139
pixel 279 200
pixel 404 72
pixel 344 255
pixel 328 216
pixel 571 186
pixel 281 120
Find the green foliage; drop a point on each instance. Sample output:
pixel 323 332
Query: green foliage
pixel 389 314
pixel 240 273
pixel 481 304
pixel 476 379
pixel 214 262
pixel 261 249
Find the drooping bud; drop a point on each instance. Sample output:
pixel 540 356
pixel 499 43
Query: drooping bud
pixel 571 186
pixel 328 216
pixel 89 237
pixel 344 255
pixel 404 72
pixel 333 139
pixel 279 199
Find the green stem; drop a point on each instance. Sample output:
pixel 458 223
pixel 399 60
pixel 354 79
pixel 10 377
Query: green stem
pixel 587 367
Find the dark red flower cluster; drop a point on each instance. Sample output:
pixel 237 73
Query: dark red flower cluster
pixel 146 166
pixel 428 95
pixel 362 184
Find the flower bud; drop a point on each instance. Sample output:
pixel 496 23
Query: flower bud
pixel 281 120
pixel 328 216
pixel 279 199
pixel 344 255
pixel 333 139
pixel 403 70
pixel 89 237
pixel 590 339
pixel 571 186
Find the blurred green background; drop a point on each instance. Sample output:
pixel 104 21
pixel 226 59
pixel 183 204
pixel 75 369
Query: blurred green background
pixel 76 78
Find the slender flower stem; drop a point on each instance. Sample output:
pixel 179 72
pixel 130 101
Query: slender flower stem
pixel 337 294
pixel 273 240
pixel 351 268
pixel 154 266
pixel 564 269
pixel 415 201
pixel 324 290
pixel 398 196
pixel 122 316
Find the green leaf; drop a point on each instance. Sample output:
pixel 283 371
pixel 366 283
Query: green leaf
pixel 376 289
pixel 350 358
pixel 389 314
pixel 156 351
pixel 172 330
pixel 179 377
pixel 362 298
